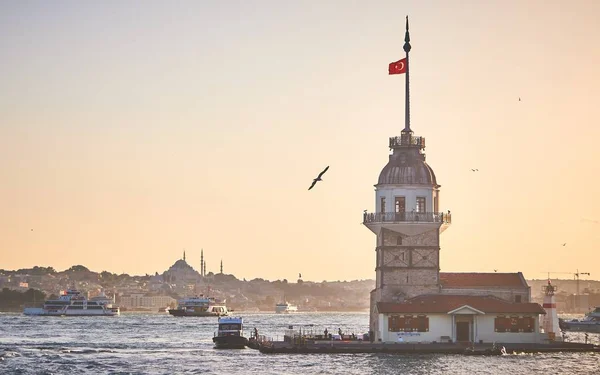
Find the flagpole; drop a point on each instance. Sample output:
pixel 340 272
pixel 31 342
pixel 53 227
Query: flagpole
pixel 407 103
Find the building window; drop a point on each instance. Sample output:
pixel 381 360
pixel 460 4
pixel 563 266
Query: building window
pixel 399 240
pixel 421 204
pixel 382 205
pixel 408 323
pixel 400 204
pixel 518 298
pixel 514 323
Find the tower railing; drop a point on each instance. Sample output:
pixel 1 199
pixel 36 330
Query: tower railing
pixel 406 140
pixel 402 217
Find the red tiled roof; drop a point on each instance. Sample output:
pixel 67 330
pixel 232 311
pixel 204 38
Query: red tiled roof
pixel 440 303
pixel 477 280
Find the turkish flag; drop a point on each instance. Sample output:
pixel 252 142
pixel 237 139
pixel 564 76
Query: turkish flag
pixel 398 67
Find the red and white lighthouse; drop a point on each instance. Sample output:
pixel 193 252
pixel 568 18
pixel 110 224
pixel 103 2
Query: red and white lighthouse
pixel 550 321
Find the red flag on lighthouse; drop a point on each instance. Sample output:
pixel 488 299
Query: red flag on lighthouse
pixel 398 67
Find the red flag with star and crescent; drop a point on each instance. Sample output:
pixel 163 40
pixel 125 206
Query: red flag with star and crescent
pixel 398 67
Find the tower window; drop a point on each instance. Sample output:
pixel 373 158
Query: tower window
pixel 400 204
pixel 421 204
pixel 382 205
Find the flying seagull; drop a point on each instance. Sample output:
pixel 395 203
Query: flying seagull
pixel 474 170
pixel 565 244
pixel 318 178
pixel 519 99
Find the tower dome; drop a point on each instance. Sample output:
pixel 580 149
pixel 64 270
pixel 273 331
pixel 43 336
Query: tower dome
pixel 407 166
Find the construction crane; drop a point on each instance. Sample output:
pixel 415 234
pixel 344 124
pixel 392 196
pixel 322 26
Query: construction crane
pixel 575 277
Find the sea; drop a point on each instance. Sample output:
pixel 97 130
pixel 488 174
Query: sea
pixel 144 343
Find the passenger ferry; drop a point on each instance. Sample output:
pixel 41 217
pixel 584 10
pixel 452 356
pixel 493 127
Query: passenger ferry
pixel 230 334
pixel 200 306
pixel 73 303
pixel 285 308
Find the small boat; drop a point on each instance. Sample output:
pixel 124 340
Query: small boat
pixel 200 306
pixel 72 303
pixel 285 308
pixel 589 323
pixel 230 335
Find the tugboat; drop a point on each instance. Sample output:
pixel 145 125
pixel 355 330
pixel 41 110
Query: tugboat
pixel 229 335
pixel 200 306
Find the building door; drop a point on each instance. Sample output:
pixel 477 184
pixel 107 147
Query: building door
pixel 400 208
pixel 462 331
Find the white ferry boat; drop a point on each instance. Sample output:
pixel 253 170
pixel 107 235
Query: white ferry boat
pixel 73 303
pixel 200 306
pixel 285 308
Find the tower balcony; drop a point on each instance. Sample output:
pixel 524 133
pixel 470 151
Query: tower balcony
pixel 402 217
pixel 407 140
pixel 402 221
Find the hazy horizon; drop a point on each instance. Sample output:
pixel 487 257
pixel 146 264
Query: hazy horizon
pixel 130 132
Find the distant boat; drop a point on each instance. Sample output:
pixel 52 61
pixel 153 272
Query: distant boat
pixel 285 308
pixel 230 334
pixel 73 303
pixel 590 322
pixel 200 306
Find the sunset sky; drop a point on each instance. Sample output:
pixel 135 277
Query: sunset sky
pixel 130 131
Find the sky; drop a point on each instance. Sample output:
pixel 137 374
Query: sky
pixel 130 131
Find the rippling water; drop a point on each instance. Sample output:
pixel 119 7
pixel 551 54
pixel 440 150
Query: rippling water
pixel 163 344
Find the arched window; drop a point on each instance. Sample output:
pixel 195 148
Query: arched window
pixel 399 240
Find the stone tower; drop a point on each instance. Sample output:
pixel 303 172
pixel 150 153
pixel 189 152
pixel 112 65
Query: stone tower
pixel 407 221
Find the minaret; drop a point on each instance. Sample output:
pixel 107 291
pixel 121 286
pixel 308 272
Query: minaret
pixel 407 220
pixel 201 262
pixel 204 269
pixel 221 266
pixel 184 255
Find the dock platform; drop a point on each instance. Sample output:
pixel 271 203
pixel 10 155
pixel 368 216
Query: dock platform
pixel 328 347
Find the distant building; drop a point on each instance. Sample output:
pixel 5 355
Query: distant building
pixel 140 300
pixel 181 273
pixel 414 302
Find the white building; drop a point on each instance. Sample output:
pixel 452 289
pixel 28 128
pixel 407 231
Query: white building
pixel 142 301
pixel 414 302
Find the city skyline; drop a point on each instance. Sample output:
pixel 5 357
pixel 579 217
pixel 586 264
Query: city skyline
pixel 129 133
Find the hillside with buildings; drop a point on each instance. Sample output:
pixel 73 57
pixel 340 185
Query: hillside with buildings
pixel 153 292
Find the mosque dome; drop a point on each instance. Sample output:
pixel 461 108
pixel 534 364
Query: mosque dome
pixel 407 166
pixel 181 264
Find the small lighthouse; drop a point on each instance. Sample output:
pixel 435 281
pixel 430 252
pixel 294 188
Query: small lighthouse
pixel 550 321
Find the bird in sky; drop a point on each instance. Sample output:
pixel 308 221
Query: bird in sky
pixel 318 178
pixel 495 270
pixel 519 98
pixel 474 170
pixel 565 244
